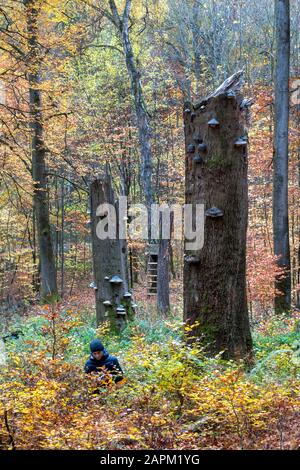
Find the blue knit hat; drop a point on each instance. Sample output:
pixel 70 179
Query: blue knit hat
pixel 96 345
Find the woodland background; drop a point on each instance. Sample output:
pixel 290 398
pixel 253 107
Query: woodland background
pixel 175 395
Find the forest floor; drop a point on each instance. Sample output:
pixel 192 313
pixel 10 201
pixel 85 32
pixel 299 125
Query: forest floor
pixel 174 396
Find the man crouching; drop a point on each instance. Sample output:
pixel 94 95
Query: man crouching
pixel 100 362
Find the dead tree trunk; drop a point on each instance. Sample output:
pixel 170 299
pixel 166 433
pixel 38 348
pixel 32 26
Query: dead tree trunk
pixel 113 301
pixel 216 176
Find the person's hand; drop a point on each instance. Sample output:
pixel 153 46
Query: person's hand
pixel 101 378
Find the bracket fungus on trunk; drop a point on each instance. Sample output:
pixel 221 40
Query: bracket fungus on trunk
pixel 214 212
pixel 213 123
pixel 198 159
pixel 202 147
pixel 116 280
pixel 121 310
pixel 241 142
pixel 191 148
pixel 192 259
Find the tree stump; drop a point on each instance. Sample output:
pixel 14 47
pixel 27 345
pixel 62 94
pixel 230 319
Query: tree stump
pixel 113 301
pixel 216 176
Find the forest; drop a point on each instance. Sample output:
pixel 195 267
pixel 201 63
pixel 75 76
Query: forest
pixel 149 225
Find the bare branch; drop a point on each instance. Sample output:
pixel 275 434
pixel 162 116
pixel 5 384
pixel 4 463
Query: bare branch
pixel 106 46
pixel 115 15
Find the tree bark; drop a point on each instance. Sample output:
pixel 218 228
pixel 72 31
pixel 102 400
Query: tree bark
pixel 62 240
pixel 108 261
pixel 163 294
pixel 281 155
pixel 216 175
pixel 48 282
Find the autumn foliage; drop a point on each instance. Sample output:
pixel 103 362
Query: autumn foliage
pixel 173 397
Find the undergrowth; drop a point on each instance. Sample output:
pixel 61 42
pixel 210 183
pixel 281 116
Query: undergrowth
pixel 174 396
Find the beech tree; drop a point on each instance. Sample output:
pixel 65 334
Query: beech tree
pixel 121 23
pixel 48 283
pixel 281 155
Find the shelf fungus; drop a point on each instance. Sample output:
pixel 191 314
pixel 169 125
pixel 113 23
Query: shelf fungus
pixel 213 123
pixel 121 310
pixel 197 159
pixel 115 280
pixel 93 285
pixel 191 148
pixel 241 142
pixel 214 212
pixel 127 295
pixel 107 303
pixel 202 147
pixel 192 259
pixel 187 111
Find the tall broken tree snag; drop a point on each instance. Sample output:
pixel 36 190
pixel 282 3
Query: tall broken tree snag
pixel 113 301
pixel 215 299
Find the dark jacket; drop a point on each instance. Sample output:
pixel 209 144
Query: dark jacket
pixel 107 361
